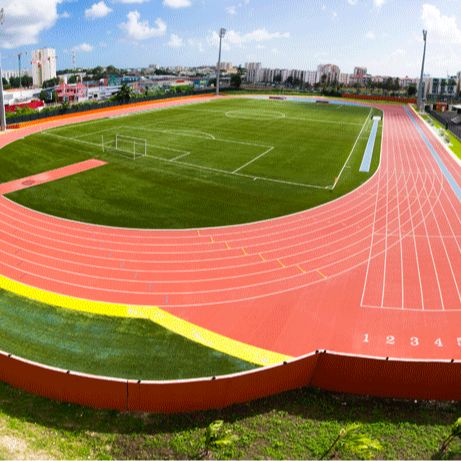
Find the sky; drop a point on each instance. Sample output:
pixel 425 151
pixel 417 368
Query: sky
pixel 383 35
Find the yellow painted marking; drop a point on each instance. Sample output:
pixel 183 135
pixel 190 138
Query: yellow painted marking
pixel 198 232
pixel 244 252
pixel 211 237
pixel 166 320
pixel 261 256
pixel 321 273
pixel 280 262
pixel 301 269
pixel 227 245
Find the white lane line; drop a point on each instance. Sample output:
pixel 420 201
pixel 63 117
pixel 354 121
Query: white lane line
pixel 352 150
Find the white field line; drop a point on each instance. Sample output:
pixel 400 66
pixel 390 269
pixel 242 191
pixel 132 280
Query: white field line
pixel 167 131
pixel 223 113
pixel 352 150
pixel 94 132
pixel 253 160
pixel 180 156
pixel 199 167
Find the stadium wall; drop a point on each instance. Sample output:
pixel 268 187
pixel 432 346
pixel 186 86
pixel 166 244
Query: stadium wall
pixel 327 370
pixel 369 97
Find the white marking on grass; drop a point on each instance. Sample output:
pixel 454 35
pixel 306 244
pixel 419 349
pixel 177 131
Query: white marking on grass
pixel 167 131
pixel 253 114
pixel 352 150
pixel 181 156
pixel 253 160
pixel 204 168
pixel 92 133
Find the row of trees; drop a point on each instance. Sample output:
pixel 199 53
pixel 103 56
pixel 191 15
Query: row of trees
pixel 15 82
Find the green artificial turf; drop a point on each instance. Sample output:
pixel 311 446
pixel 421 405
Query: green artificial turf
pixel 123 348
pixel 224 162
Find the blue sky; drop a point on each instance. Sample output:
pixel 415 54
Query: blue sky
pixel 383 35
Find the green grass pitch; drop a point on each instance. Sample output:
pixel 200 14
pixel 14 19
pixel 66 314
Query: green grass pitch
pixel 224 162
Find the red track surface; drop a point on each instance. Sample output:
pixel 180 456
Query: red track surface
pixel 377 272
pixel 53 175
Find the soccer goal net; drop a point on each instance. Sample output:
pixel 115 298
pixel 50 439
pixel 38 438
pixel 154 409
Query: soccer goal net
pixel 128 146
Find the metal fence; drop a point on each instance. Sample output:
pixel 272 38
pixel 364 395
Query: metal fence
pixel 84 107
pixel 445 119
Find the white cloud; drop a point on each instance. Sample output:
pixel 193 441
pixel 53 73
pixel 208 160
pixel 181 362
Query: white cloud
pixel 370 35
pixel 177 3
pixel 440 28
pixel 130 2
pixel 175 41
pixel 83 47
pixel 64 15
pixel 352 2
pixel 25 20
pixel 234 38
pixel 97 10
pixel 232 10
pixel 136 29
pixel 379 3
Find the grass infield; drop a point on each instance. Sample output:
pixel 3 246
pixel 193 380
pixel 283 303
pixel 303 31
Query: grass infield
pixel 218 163
pixel 121 348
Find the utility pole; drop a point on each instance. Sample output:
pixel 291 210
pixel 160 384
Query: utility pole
pixel 2 103
pixel 222 33
pixel 420 100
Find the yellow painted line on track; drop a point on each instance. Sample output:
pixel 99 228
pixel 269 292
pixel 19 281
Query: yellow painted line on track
pixel 321 273
pixel 162 318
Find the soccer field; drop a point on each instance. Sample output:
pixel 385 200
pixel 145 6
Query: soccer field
pixel 217 163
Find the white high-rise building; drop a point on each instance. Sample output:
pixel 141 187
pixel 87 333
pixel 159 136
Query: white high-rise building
pixel 43 65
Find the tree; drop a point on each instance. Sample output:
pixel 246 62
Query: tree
pixel 411 91
pixel 289 81
pixel 6 85
pixel 454 434
pixel 236 80
pixel 215 437
pixel 351 440
pixel 124 94
pixel 51 83
pixel 72 79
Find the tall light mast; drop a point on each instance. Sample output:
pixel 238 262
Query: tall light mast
pixel 20 54
pixel 222 33
pixel 2 103
pixel 420 100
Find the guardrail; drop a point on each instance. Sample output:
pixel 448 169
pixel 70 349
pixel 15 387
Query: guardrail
pixel 449 125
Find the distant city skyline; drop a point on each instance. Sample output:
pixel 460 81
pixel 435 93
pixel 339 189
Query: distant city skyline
pixel 382 35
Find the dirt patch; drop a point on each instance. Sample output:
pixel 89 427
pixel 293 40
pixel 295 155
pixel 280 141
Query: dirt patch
pixel 17 448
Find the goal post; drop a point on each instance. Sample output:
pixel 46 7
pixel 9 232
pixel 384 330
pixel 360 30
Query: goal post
pixel 127 146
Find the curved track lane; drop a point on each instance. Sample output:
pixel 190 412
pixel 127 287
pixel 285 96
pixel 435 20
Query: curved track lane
pixel 376 272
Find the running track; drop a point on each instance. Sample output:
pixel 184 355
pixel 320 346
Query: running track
pixel 376 272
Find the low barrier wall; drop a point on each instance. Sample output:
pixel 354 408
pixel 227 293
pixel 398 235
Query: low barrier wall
pixel 370 97
pixel 33 119
pixel 326 370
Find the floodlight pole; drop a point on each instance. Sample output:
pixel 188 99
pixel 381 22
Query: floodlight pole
pixel 2 102
pixel 222 32
pixel 420 100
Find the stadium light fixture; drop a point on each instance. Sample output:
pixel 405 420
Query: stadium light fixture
pixel 420 100
pixel 222 33
pixel 2 102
